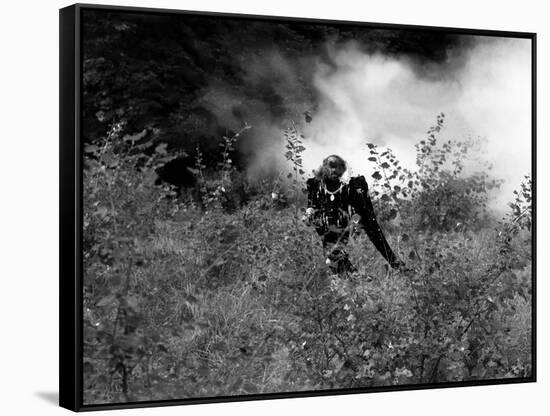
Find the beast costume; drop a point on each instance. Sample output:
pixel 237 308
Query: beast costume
pixel 337 213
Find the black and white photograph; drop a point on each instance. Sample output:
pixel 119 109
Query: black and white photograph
pixel 280 207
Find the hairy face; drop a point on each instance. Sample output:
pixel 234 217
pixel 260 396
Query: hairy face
pixel 333 168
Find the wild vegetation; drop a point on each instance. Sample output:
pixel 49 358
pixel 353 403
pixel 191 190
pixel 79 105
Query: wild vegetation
pixel 221 290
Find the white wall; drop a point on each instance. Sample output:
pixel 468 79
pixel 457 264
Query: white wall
pixel 29 208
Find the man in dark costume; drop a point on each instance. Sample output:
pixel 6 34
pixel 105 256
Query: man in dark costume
pixel 337 209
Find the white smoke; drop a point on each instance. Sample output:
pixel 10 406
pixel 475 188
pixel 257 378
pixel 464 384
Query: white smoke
pixel 484 91
pixel 388 101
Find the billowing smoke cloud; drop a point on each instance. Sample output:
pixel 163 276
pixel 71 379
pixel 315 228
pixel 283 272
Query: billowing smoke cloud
pixel 386 101
pixel 354 97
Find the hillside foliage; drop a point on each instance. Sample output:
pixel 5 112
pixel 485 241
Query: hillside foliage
pixel 224 291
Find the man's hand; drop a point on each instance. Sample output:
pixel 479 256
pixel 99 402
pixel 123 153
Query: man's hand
pixel 308 216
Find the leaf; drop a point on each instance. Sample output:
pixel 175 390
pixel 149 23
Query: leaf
pixel 385 165
pixel 371 146
pixel 135 137
pixel 91 148
pixel 190 298
pixel 107 300
pixel 102 212
pixel 372 159
pixel 236 385
pixel 120 253
pixel 88 368
pixel 376 175
pixel 115 280
pixel 412 255
pixel 132 303
pixel 161 148
pixel 219 262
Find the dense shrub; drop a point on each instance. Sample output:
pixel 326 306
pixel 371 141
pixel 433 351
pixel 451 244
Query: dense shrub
pixel 522 211
pixel 438 194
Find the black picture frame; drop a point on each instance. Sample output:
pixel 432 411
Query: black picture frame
pixel 71 384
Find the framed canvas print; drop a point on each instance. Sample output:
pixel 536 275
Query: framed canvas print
pixel 256 207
